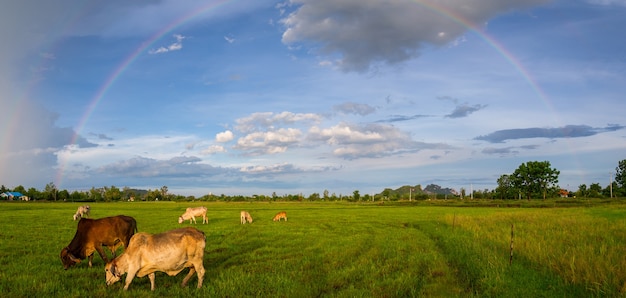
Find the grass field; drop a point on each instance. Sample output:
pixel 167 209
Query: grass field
pixel 338 250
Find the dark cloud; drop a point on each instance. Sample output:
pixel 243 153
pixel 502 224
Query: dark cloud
pixel 181 166
pixel 465 110
pixel 355 108
pixel 400 118
pixel 568 131
pixel 365 33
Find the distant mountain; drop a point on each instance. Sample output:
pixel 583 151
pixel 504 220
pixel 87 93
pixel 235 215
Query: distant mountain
pixel 417 191
pixel 436 189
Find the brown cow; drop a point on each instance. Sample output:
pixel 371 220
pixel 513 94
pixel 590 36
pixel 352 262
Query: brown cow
pixel 170 252
pixel 92 234
pixel 280 215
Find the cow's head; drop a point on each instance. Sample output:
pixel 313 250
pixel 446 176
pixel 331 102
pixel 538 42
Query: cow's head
pixel 112 274
pixel 68 259
pixel 180 219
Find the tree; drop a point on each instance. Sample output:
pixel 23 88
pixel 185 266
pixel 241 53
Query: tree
pixel 356 195
pixel 164 190
pixel 535 177
pixel 620 174
pixel 595 190
pixel 582 191
pixel 50 191
pixel 506 189
pixel 20 189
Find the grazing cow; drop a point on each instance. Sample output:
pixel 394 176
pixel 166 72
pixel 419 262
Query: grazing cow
pixel 82 211
pixel 191 213
pixel 170 252
pixel 92 234
pixel 245 217
pixel 280 215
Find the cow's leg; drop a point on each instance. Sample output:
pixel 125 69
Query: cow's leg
pixel 102 254
pixel 193 218
pixel 151 276
pixel 189 275
pixel 90 258
pixel 200 269
pixel 129 278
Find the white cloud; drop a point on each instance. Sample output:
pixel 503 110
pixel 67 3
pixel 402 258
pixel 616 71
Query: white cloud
pixel 176 46
pixel 268 120
pixel 224 137
pixel 213 149
pixel 269 142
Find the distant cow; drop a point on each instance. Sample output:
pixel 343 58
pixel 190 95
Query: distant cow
pixel 92 234
pixel 170 252
pixel 245 217
pixel 280 215
pixel 191 213
pixel 82 211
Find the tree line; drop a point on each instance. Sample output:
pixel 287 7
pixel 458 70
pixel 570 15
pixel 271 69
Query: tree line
pixel 531 180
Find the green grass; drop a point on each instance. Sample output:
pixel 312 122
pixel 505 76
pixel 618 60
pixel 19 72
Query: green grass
pixel 337 250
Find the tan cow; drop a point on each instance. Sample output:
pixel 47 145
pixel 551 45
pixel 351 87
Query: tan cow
pixel 92 234
pixel 245 217
pixel 170 252
pixel 191 213
pixel 280 215
pixel 82 211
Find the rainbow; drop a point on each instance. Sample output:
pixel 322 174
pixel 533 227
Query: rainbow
pixel 126 62
pixel 430 5
pixel 508 56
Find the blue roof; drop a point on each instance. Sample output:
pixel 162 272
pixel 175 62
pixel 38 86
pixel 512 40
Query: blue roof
pixel 13 193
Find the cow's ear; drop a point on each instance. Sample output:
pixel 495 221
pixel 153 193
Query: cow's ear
pixel 73 258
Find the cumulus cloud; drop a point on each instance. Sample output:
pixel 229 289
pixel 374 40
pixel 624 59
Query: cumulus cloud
pixel 568 131
pixel 351 141
pixel 213 149
pixel 268 142
pixel 366 33
pixel 269 121
pixel 224 137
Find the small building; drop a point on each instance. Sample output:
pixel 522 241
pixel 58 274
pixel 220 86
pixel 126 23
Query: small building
pixel 14 195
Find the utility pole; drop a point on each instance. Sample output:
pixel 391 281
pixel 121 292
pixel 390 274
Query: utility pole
pixel 611 183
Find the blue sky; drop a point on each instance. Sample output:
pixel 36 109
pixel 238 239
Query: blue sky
pixel 257 96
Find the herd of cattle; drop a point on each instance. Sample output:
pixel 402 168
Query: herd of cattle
pixel 144 254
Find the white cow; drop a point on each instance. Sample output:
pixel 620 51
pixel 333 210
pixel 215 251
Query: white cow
pixel 170 252
pixel 191 213
pixel 82 211
pixel 245 217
